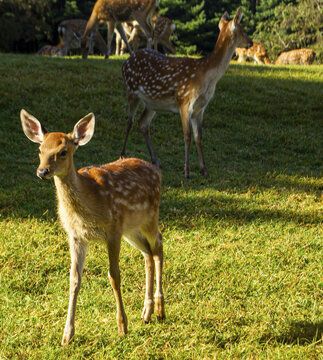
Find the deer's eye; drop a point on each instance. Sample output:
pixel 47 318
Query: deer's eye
pixel 63 153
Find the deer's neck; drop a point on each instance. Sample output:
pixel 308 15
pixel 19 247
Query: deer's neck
pixel 69 191
pixel 217 62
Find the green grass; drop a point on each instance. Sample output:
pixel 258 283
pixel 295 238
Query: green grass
pixel 243 249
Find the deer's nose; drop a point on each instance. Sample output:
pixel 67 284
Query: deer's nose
pixel 42 173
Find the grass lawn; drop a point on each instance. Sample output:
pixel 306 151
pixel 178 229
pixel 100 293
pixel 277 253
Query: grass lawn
pixel 243 248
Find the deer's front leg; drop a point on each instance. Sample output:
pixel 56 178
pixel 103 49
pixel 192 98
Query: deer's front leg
pixel 114 276
pixel 78 254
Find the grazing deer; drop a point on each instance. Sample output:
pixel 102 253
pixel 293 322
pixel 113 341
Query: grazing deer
pixel 296 57
pixel 50 50
pixel 102 203
pixel 70 33
pixel 256 53
pixel 114 12
pixel 164 28
pixel 181 85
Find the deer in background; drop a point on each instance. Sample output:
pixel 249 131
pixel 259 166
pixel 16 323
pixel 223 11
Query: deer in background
pixel 70 33
pixel 164 28
pixel 296 57
pixel 50 50
pixel 256 52
pixel 114 12
pixel 102 203
pixel 180 84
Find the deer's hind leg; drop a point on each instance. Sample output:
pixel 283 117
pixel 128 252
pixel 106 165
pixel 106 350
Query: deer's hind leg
pixel 154 238
pixel 137 240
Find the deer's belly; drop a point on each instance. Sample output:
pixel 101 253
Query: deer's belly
pixel 163 104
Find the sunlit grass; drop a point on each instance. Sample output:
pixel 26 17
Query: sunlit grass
pixel 243 249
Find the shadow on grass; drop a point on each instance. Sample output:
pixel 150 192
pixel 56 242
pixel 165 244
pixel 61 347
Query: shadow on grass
pixel 183 212
pixel 299 333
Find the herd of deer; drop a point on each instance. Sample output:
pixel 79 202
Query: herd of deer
pixel 121 199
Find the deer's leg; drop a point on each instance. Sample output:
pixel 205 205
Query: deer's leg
pixel 141 243
pixel 114 276
pixel 133 104
pixel 197 132
pixel 78 253
pixel 111 26
pixel 118 41
pixel 124 36
pixel 144 125
pixel 185 117
pixel 148 30
pixel 154 237
pixel 159 295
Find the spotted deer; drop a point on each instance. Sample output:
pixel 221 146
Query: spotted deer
pixel 164 29
pixel 70 33
pixel 50 50
pixel 114 12
pixel 256 53
pixel 102 203
pixel 179 84
pixel 296 57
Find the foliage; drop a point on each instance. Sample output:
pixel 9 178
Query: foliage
pixel 280 25
pixel 243 249
pixel 289 26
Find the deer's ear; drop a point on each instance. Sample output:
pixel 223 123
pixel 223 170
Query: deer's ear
pixel 238 17
pixel 223 20
pixel 32 127
pixel 84 130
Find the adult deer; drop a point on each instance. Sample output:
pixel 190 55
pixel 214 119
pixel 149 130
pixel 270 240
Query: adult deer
pixel 256 52
pixel 181 85
pixel 296 57
pixel 102 203
pixel 71 31
pixel 114 12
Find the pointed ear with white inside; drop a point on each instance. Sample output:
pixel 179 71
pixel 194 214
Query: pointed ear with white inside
pixel 225 17
pixel 84 130
pixel 32 127
pixel 237 19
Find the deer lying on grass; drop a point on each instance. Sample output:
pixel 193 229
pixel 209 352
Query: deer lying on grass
pixel 181 85
pixel 114 12
pixel 70 33
pixel 296 57
pixel 50 50
pixel 164 28
pixel 102 203
pixel 256 52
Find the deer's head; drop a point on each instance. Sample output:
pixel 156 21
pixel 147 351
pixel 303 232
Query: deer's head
pixel 56 149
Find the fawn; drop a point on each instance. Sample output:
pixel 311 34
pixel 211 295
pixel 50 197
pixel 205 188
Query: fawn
pixel 102 203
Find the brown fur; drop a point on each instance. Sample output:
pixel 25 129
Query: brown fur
pixel 256 52
pixel 114 12
pixel 102 203
pixel 164 28
pixel 179 84
pixel 296 57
